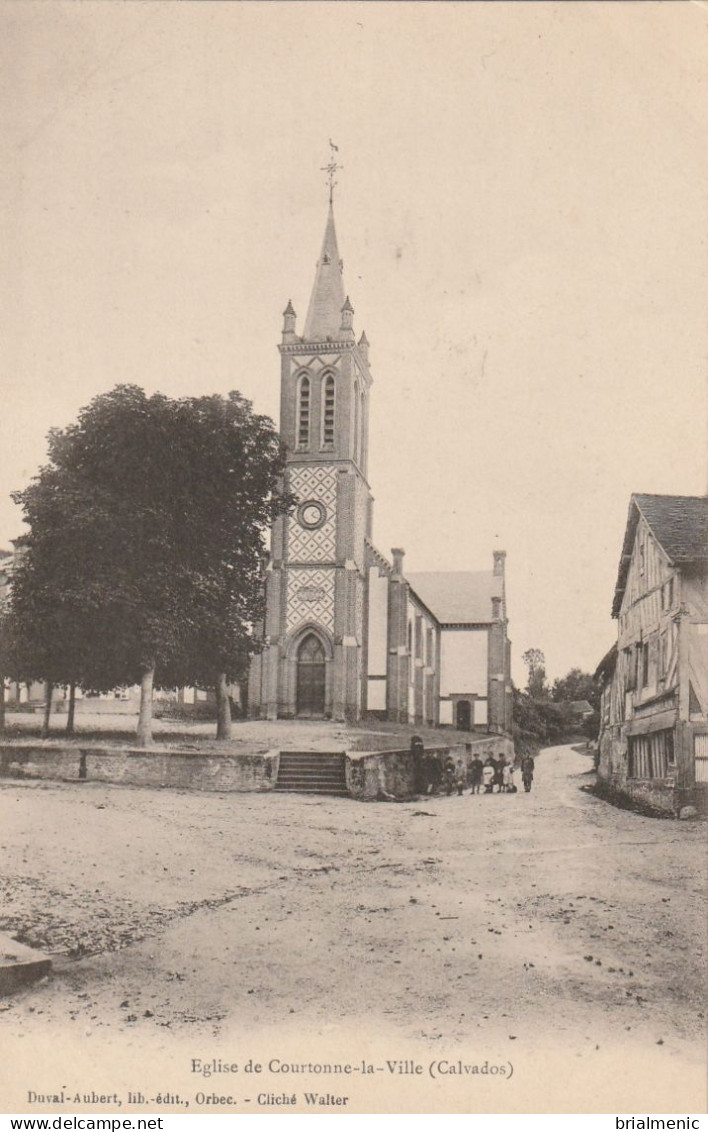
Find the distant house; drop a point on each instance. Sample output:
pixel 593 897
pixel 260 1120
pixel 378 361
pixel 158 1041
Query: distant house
pixel 580 710
pixel 653 744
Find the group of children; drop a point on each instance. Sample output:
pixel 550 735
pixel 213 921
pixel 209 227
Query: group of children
pixel 494 775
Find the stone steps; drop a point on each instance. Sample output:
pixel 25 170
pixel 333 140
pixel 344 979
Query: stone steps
pixel 308 772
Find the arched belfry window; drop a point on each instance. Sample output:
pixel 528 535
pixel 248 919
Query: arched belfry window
pixel 328 412
pixel 303 417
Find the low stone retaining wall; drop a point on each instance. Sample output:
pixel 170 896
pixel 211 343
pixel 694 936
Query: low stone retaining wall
pixel 393 774
pixel 659 798
pixel 135 767
pixel 370 776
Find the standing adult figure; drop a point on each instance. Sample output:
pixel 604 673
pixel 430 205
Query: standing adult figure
pixel 476 768
pixel 499 765
pixel 527 768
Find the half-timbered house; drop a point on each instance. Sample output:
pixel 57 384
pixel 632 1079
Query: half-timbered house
pixel 653 743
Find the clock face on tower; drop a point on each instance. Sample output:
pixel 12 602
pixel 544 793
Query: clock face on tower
pixel 311 514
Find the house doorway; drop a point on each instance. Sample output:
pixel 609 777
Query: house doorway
pixel 310 699
pixel 463 715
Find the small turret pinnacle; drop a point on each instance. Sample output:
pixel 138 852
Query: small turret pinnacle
pixel 346 326
pixel 289 318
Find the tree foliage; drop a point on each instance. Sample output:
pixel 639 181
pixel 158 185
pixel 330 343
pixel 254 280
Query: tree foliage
pixel 143 559
pixel 538 723
pixel 542 717
pixel 576 685
pixel 535 662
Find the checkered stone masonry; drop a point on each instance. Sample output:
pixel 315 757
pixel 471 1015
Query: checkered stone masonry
pixel 310 598
pixel 313 546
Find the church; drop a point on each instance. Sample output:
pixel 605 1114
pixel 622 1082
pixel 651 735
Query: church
pixel 348 631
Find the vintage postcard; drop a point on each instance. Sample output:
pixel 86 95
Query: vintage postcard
pixel 367 774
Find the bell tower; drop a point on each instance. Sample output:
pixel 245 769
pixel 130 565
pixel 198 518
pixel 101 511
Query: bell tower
pixel 312 664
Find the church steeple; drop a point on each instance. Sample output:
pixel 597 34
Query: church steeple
pixel 324 314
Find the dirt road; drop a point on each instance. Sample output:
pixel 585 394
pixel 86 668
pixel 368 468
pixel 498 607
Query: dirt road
pixel 548 932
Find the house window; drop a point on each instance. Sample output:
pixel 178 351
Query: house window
pixel 663 654
pixel 328 413
pixel 630 669
pixel 667 594
pixel 303 426
pixel 645 664
pixel 650 755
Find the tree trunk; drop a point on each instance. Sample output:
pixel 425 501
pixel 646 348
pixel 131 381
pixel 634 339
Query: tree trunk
pixel 2 702
pixel 223 708
pixel 48 691
pixel 72 709
pixel 144 735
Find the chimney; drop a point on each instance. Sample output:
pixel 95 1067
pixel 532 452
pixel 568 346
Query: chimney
pixel 499 563
pixel 496 608
pixel 289 317
pixel 398 556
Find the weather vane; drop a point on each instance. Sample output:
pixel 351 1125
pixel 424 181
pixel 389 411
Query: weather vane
pixel 332 168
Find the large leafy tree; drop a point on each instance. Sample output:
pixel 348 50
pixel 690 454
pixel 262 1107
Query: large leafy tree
pixel 577 685
pixel 146 541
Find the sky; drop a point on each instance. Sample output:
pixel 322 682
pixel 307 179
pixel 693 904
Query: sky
pixel 522 215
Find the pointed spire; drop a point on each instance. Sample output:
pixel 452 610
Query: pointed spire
pixel 324 314
pixel 364 346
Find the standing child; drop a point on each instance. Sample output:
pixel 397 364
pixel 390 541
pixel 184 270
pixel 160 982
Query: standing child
pixel 488 772
pixel 508 778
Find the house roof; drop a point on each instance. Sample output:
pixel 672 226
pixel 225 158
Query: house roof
pixel 606 666
pixel 581 706
pixel 679 524
pixel 458 597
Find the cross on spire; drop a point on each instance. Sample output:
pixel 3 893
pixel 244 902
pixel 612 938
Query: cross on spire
pixel 332 168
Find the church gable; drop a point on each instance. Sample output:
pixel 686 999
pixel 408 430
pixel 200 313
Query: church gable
pixel 459 597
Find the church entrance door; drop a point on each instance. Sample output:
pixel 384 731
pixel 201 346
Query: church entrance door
pixel 310 677
pixel 464 715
